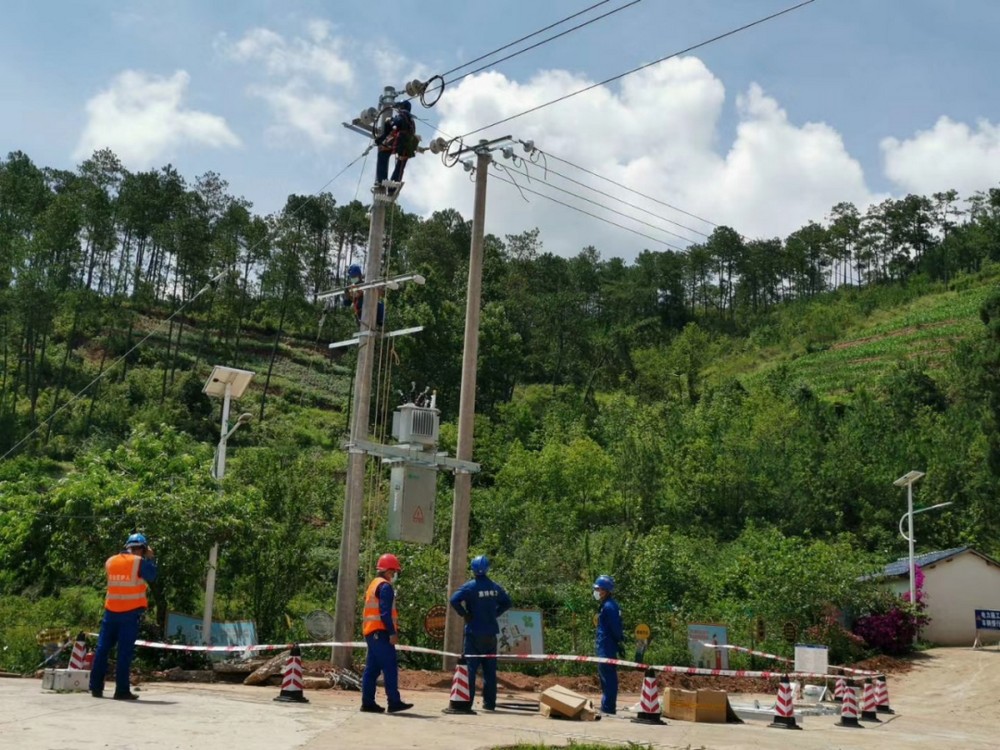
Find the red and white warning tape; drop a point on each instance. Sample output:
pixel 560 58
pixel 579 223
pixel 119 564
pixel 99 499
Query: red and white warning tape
pixel 666 669
pixel 784 660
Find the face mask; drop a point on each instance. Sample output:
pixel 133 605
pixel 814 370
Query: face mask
pixel 597 595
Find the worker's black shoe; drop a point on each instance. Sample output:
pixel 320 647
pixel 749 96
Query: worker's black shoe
pixel 489 708
pixel 372 708
pixel 97 693
pixel 126 697
pixel 400 707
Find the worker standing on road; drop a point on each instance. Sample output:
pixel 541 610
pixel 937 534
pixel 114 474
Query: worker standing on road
pixel 128 575
pixel 480 602
pixel 380 628
pixel 610 641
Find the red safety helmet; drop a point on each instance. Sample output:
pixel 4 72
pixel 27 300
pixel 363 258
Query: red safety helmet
pixel 388 561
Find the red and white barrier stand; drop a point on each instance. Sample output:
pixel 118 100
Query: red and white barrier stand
pixel 869 704
pixel 460 700
pixel 79 653
pixel 838 690
pixel 649 701
pixel 784 710
pixel 882 696
pixel 849 709
pixel 291 679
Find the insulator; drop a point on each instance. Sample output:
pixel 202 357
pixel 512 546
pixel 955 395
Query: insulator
pixel 529 146
pixel 438 145
pixel 415 87
pixel 508 152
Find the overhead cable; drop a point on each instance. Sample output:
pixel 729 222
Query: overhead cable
pixel 693 47
pixel 587 213
pixel 543 41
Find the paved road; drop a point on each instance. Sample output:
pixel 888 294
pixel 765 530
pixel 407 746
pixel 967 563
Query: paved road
pixel 950 701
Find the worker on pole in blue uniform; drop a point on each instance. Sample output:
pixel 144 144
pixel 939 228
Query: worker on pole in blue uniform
pixel 399 137
pixel 480 602
pixel 610 641
pixel 355 298
pixel 128 575
pixel 380 625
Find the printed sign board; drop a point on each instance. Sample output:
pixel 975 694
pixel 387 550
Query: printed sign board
pixel 988 619
pixel 811 658
pixel 187 630
pixel 434 622
pixel 708 658
pixel 520 632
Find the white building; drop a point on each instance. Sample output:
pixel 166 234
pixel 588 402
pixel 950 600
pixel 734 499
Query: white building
pixel 957 582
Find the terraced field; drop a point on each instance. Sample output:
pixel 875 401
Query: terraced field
pixel 927 330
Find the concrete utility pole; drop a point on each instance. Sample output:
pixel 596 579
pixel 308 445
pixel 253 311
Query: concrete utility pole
pixel 458 561
pixel 345 618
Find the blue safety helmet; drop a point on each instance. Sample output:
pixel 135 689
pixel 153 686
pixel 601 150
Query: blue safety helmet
pixel 136 540
pixel 354 271
pixel 404 105
pixel 605 583
pixel 480 565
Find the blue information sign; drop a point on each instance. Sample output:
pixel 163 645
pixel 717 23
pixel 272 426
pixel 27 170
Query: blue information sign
pixel 988 619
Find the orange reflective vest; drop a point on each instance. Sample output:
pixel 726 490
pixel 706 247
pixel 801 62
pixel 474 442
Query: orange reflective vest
pixel 371 621
pixel 126 590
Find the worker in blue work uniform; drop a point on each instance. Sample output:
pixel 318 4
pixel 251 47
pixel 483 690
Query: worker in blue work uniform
pixel 610 641
pixel 355 298
pixel 399 137
pixel 380 625
pixel 480 602
pixel 128 575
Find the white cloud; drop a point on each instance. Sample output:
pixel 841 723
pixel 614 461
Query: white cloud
pixel 142 118
pixel 659 133
pixel 304 79
pixel 297 109
pixel 949 155
pixel 318 54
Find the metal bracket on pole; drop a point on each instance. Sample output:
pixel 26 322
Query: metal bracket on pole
pixel 399 454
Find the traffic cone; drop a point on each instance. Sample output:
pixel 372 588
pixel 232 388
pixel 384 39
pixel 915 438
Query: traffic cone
pixel 838 690
pixel 849 711
pixel 79 653
pixel 882 695
pixel 291 679
pixel 460 701
pixel 869 705
pixel 784 710
pixel 649 702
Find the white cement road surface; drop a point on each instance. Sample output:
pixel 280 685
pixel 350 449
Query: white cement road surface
pixel 951 700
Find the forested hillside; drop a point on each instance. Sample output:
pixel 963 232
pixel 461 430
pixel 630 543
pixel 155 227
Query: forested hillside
pixel 716 428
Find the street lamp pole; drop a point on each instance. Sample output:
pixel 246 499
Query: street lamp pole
pixel 229 383
pixel 909 533
pixel 907 480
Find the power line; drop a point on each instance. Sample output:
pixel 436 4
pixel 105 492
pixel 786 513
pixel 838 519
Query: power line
pixel 606 208
pixel 693 47
pixel 636 192
pixel 543 41
pixel 525 38
pixel 548 169
pixel 588 213
pixel 600 192
pixel 215 279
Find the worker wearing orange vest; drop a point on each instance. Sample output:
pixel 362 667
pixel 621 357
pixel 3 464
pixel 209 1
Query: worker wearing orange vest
pixel 128 574
pixel 380 627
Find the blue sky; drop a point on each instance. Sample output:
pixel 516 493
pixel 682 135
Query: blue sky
pixel 764 130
